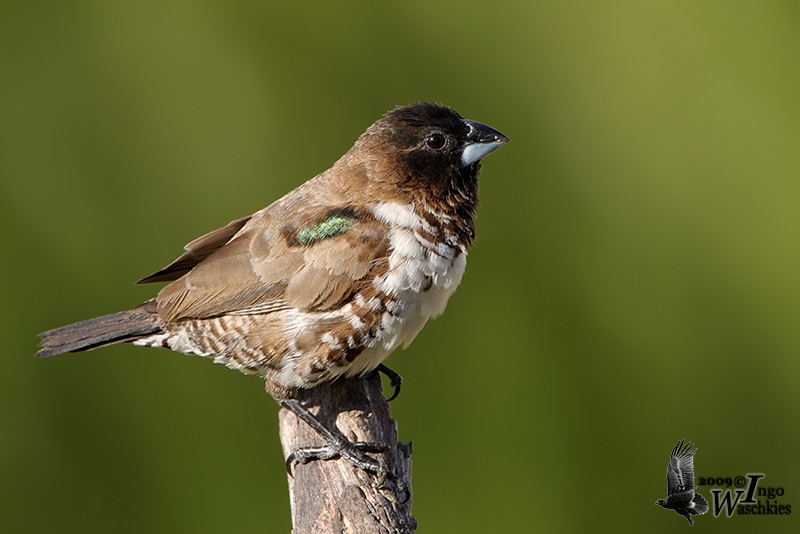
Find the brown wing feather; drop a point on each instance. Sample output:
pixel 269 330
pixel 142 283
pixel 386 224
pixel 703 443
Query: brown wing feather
pixel 197 251
pixel 264 269
pixel 336 267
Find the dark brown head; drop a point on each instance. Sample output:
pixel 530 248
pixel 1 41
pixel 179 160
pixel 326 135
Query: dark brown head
pixel 432 154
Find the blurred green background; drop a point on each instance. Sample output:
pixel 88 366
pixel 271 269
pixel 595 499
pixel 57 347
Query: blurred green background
pixel 634 282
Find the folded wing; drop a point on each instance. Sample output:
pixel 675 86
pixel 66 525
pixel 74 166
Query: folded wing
pixel 197 251
pixel 312 260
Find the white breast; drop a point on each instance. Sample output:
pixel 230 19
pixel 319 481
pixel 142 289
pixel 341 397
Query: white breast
pixel 421 277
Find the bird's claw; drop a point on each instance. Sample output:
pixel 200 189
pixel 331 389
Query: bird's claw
pixel 353 452
pixel 394 379
pixel 385 476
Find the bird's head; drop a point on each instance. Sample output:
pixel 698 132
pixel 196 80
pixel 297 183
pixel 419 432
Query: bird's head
pixel 662 502
pixel 431 139
pixel 430 151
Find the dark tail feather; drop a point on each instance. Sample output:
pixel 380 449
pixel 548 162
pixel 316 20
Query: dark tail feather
pixel 700 504
pixel 92 333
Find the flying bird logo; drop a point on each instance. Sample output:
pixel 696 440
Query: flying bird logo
pixel 680 483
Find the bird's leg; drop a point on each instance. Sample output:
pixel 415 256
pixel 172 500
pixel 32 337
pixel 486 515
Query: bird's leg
pixel 394 379
pixel 338 446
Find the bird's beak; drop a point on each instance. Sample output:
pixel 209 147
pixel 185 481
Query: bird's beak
pixel 481 141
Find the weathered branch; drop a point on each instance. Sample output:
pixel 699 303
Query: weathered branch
pixel 332 495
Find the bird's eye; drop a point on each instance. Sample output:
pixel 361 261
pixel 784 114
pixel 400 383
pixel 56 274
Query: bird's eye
pixel 436 141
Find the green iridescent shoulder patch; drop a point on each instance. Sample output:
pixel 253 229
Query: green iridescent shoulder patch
pixel 335 224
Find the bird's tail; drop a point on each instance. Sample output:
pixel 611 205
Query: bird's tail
pixel 700 504
pixel 100 331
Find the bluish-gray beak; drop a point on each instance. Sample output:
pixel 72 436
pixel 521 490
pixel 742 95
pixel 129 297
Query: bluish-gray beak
pixel 481 141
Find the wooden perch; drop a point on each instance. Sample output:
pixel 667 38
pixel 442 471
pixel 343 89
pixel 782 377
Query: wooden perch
pixel 332 496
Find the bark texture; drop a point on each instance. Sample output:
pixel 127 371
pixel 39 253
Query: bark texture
pixel 332 496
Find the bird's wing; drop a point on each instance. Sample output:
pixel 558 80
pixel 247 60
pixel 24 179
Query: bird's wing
pixel 197 251
pixel 314 259
pixel 680 471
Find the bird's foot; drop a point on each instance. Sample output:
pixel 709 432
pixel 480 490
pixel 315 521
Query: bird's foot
pixel 353 452
pixel 337 446
pixel 394 379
